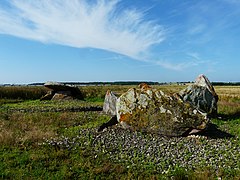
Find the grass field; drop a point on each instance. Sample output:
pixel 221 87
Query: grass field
pixel 58 140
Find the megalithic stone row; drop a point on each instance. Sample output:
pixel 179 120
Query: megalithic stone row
pixel 151 110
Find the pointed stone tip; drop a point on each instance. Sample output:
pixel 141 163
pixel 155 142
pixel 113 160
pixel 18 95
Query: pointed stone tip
pixel 202 80
pixel 200 77
pixel 108 92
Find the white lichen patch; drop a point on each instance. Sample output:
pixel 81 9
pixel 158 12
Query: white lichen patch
pixel 169 112
pixel 143 101
pixel 175 119
pixel 126 103
pixel 162 109
pixel 194 111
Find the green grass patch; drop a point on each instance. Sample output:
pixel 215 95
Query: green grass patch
pixel 51 106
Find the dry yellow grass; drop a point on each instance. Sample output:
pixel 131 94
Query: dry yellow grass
pixel 229 99
pixel 228 93
pixel 20 129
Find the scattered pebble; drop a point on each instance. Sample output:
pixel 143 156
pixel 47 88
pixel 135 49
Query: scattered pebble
pixel 121 145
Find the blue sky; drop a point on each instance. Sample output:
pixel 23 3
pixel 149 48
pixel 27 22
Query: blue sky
pixel 103 40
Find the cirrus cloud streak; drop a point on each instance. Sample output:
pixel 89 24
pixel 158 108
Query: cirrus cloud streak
pixel 81 23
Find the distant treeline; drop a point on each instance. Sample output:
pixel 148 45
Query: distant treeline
pixel 104 83
pixel 226 83
pixel 131 83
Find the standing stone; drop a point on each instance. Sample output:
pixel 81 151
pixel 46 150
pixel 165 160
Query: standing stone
pixel 201 95
pixel 150 110
pixel 109 106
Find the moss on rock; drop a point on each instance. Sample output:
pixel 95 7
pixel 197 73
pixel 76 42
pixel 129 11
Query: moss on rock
pixel 150 110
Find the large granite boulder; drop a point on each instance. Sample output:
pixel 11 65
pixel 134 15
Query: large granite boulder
pixel 109 106
pixel 201 95
pixel 150 110
pixel 59 91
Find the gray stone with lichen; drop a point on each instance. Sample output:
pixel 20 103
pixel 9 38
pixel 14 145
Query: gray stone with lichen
pixel 109 106
pixel 201 95
pixel 150 110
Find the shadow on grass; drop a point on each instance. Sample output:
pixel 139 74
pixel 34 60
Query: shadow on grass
pixel 213 132
pixel 228 117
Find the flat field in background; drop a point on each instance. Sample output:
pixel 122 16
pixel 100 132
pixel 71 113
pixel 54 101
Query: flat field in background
pixel 30 130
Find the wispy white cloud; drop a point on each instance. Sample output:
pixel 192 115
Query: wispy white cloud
pixel 194 60
pixel 194 55
pixel 175 66
pixel 197 29
pixel 81 23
